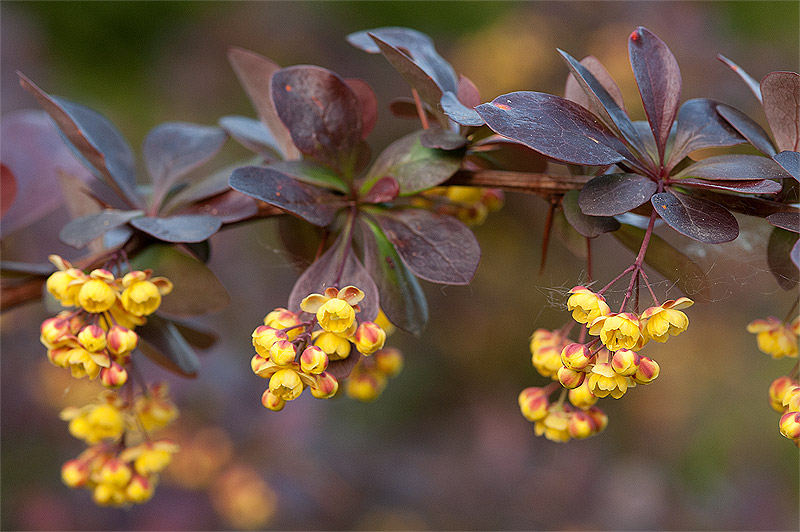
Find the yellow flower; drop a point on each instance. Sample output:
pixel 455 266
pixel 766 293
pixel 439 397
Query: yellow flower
pixel 666 320
pixel 336 310
pixel 554 426
pixel 585 305
pixel 115 472
pixel 280 318
pixel 582 396
pixel 272 401
pixel 92 338
pixel 157 410
pixel 54 332
pixel 97 295
pixel 286 384
pixel 282 352
pixel 618 331
pixel 142 295
pixel 604 381
pixel 369 337
pixel 324 386
pixel 150 457
pixel 365 386
pixel 388 361
pixel 546 347
pixel 581 425
pixel 384 323
pixel 533 403
pixel 95 422
pixel 140 489
pixel 774 337
pixel 263 338
pixel 75 473
pixel 121 340
pixel 109 495
pixel 65 284
pixel 313 360
pixel 779 389
pixel 334 345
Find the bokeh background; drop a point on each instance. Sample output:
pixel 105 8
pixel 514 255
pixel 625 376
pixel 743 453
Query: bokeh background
pixel 445 446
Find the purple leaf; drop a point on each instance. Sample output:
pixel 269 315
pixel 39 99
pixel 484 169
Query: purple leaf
pixel 181 228
pixel 230 206
pixel 311 173
pixel 555 127
pixel 602 104
pixel 313 204
pixel 341 369
pixel 252 134
pixel 458 112
pixel 786 220
pixel 436 248
pixel 659 80
pixel 173 149
pixel 406 38
pixel 751 83
pixel 781 92
pixel 320 110
pixel 748 128
pixel 612 194
pixel 733 167
pixel 741 186
pixel 468 93
pixel 80 231
pixel 328 271
pixel 744 204
pixel 255 74
pixel 369 104
pixel 201 189
pixel 782 257
pixel 164 345
pixel 196 290
pixel 575 92
pixel 667 261
pixel 401 296
pixel 700 126
pixel 696 218
pixel 789 161
pixel 414 166
pixel 385 189
pixel 442 139
pixel 94 138
pixel 586 225
pixel 8 189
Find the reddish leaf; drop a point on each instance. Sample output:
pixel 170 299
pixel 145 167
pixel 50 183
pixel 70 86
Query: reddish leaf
pixel 789 161
pixel 696 218
pixel 402 298
pixel 369 104
pixel 782 249
pixel 588 226
pixel 743 204
pixel 252 134
pixel 556 127
pixel 320 110
pixel 612 194
pixel 659 80
pixel 8 189
pixel 601 103
pixel 230 206
pixel 80 231
pixel 741 186
pixel 748 128
pixel 407 108
pixel 196 290
pixel 666 260
pixel 468 93
pixel 94 138
pixel 781 92
pixel 384 189
pixel 786 220
pixel 414 166
pixel 255 74
pixel 733 167
pixel 313 204
pixel 163 344
pixel 752 84
pixel 341 369
pixel 700 126
pixel 442 139
pixel 328 271
pixel 436 248
pixel 201 189
pixel 311 173
pixel 181 228
pixel 575 92
pixel 458 112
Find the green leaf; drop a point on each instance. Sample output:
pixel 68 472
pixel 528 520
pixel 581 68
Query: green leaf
pixel 412 165
pixel 161 341
pixel 666 260
pixel 196 290
pixel 311 173
pixel 401 296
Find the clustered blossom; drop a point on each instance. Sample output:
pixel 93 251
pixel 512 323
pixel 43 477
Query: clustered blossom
pixel 116 472
pixel 471 205
pixel 294 355
pixel 779 339
pixel 609 365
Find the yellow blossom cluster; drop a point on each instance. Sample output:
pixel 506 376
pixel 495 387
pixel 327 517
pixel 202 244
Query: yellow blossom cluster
pixel 471 205
pixel 559 421
pixel 115 472
pixel 776 338
pixel 784 397
pixel 293 354
pixel 370 376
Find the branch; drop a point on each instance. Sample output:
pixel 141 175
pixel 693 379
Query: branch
pixel 543 185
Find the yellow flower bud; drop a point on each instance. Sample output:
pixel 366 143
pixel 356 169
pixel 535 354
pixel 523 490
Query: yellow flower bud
pixel 272 401
pixel 790 425
pixel 263 338
pixel 365 386
pixel 581 425
pixel 325 386
pixel 388 361
pixel 576 356
pixel 334 345
pixel 286 384
pixel 618 331
pixel 96 295
pixel 114 472
pixel 647 371
pixel 139 489
pixel 282 352
pixel 779 388
pixel 336 316
pixel 604 381
pixel 533 403
pixel 582 396
pixel 113 376
pixel 75 473
pixel 121 340
pixel 65 285
pixel 570 378
pixel 585 305
pixel 625 362
pixel 369 337
pixel 54 331
pixel 92 338
pixel 313 360
pixel 280 318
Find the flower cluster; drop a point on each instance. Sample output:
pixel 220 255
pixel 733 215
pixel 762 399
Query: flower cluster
pixel 294 355
pixel 779 339
pixel 97 338
pixel 560 421
pixel 471 205
pixel 116 472
pixel 370 376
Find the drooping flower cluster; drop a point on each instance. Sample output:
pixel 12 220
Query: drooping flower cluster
pixel 97 338
pixel 294 355
pixel 471 205
pixel 779 339
pixel 115 469
pixel 607 365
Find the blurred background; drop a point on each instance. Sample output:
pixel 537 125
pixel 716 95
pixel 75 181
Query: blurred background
pixel 445 446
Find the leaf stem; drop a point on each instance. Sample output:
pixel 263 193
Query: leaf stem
pixel 423 118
